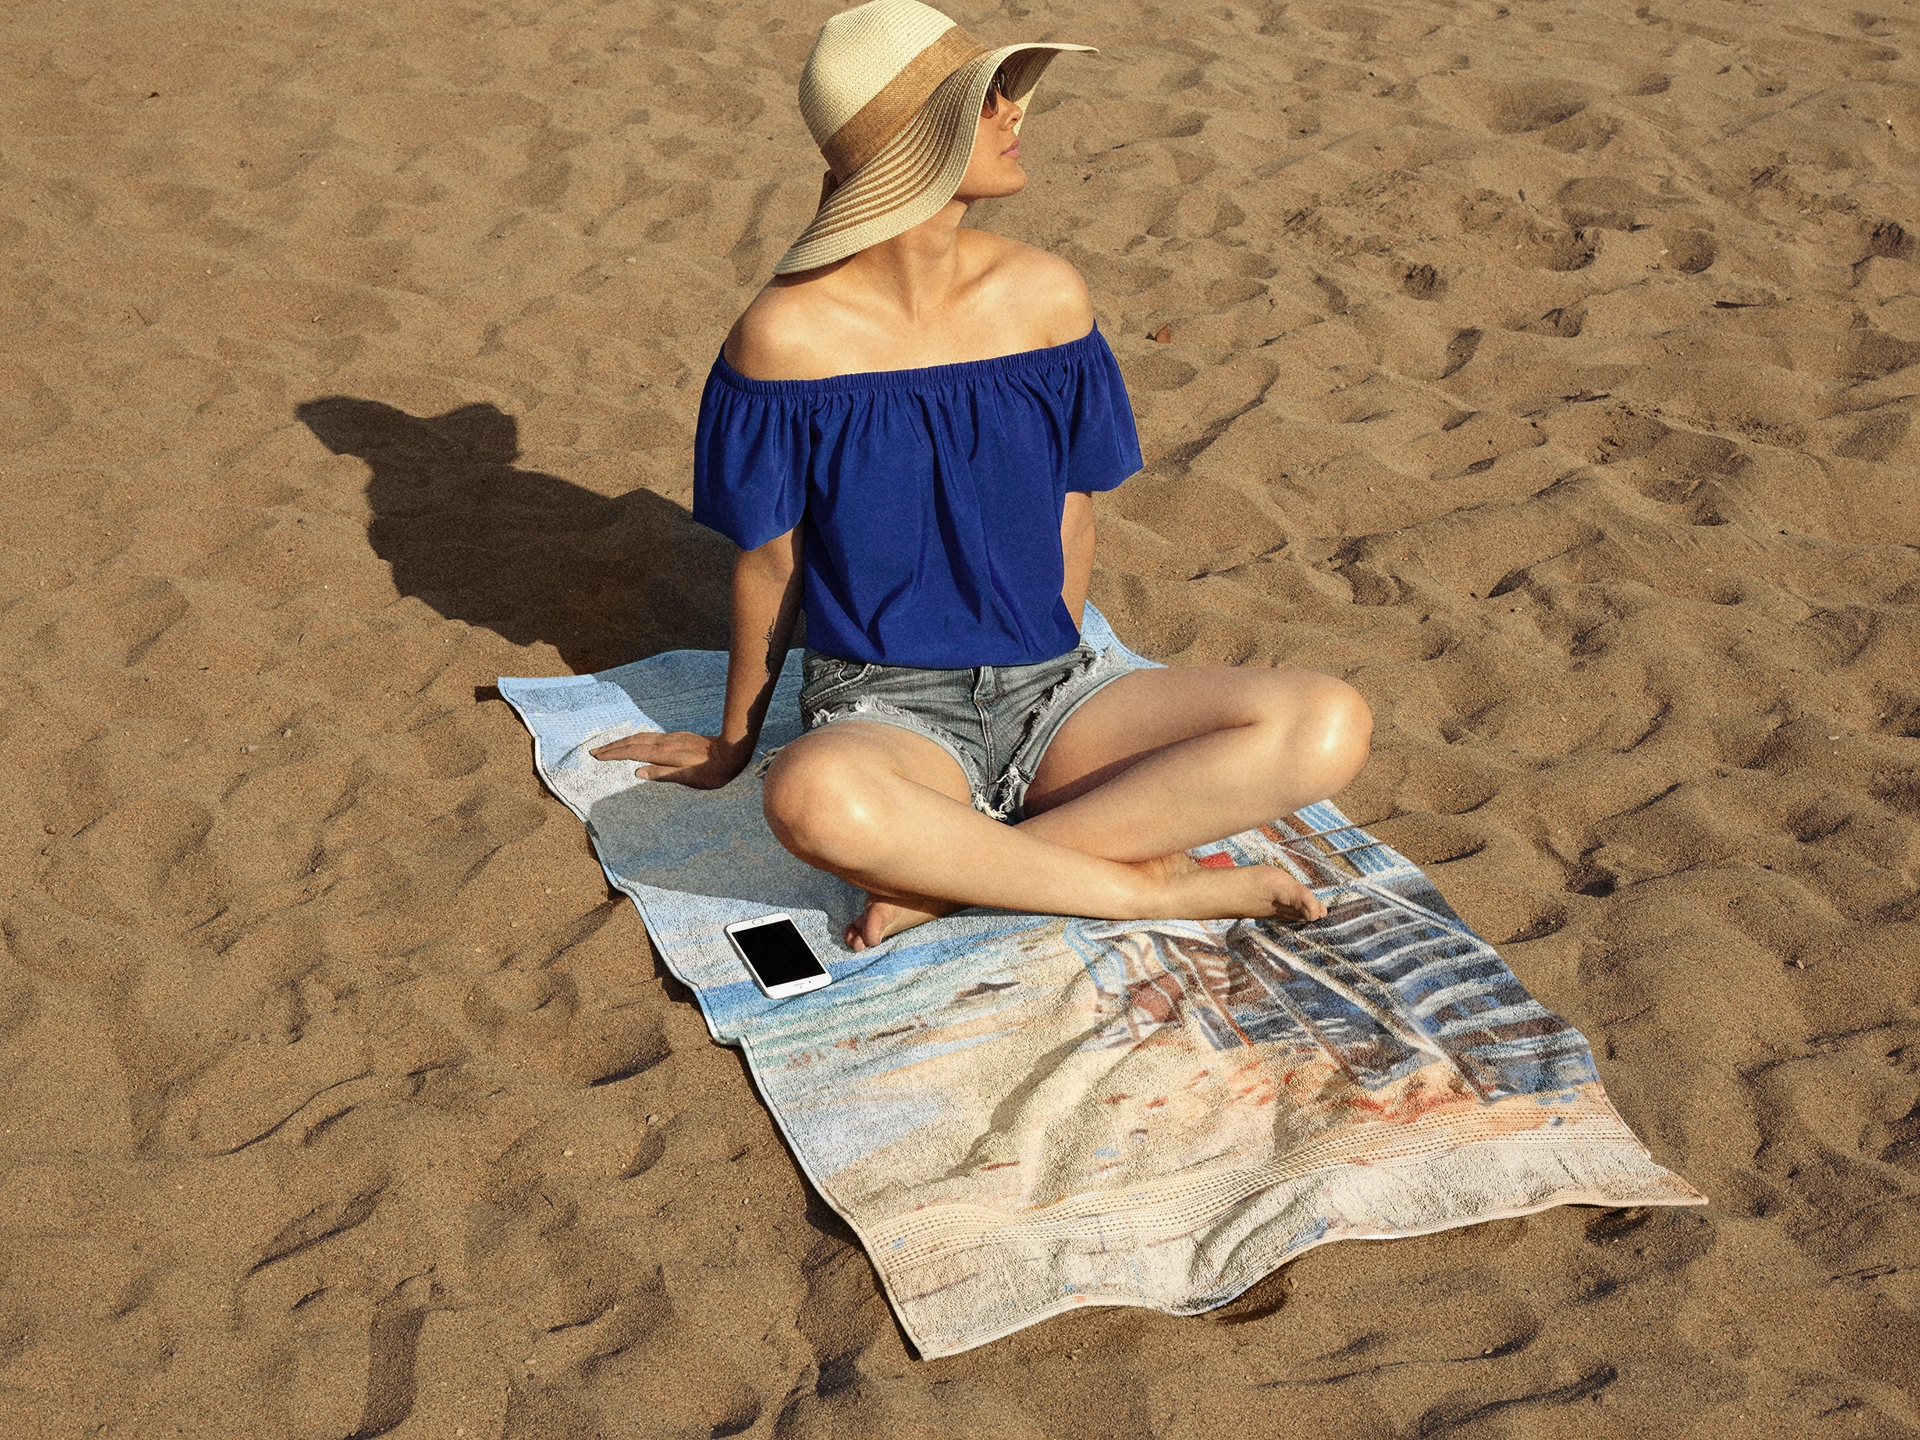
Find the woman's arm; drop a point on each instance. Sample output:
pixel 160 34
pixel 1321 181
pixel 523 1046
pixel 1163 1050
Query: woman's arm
pixel 1076 549
pixel 766 602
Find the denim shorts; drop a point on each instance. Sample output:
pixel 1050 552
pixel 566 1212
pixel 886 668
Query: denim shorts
pixel 995 720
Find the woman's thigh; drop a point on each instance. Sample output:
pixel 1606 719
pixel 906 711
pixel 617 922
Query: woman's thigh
pixel 830 765
pixel 1147 710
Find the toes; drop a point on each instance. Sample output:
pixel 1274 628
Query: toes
pixel 883 919
pixel 870 929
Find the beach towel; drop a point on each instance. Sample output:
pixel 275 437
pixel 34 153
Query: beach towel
pixel 1022 1114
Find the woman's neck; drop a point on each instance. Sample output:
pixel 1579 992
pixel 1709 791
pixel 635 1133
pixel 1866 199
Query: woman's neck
pixel 917 271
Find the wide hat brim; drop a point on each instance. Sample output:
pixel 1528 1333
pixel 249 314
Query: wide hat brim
pixel 918 171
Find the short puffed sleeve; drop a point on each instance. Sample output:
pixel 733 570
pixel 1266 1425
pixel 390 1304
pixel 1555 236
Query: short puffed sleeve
pixel 1103 448
pixel 750 458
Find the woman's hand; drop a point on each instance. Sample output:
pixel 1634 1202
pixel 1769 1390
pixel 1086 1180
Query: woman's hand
pixel 766 602
pixel 705 762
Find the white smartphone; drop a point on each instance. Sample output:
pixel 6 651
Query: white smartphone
pixel 777 956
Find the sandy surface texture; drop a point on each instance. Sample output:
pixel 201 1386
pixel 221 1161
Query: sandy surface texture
pixel 1546 369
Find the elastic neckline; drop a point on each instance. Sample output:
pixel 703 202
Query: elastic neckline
pixel 930 376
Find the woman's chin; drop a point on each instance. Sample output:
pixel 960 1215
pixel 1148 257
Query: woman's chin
pixel 997 187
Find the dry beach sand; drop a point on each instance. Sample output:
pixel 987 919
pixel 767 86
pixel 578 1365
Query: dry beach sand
pixel 1546 369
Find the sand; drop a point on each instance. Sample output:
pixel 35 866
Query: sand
pixel 1545 369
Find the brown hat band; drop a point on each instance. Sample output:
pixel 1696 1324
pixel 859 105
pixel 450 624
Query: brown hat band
pixel 883 117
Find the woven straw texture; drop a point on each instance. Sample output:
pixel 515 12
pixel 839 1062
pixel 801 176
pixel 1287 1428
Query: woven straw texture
pixel 858 52
pixel 919 169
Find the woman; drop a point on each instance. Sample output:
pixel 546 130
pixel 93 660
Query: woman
pixel 902 433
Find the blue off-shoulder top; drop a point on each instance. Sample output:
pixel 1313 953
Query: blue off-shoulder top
pixel 931 499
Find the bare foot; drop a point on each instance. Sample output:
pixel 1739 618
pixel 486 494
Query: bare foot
pixel 1216 889
pixel 890 914
pixel 1243 892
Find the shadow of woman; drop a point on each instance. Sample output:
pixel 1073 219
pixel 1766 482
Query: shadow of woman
pixel 532 557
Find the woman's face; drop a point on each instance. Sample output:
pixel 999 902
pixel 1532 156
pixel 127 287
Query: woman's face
pixel 994 167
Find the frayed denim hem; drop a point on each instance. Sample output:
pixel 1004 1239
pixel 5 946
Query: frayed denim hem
pixel 1068 694
pixel 872 708
pixel 995 721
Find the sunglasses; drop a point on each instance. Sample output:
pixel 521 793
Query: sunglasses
pixel 996 88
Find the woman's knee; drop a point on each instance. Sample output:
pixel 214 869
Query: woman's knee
pixel 822 807
pixel 1341 728
pixel 1328 730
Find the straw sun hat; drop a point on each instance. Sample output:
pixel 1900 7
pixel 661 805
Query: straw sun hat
pixel 892 93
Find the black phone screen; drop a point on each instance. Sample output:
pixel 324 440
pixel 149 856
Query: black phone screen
pixel 778 953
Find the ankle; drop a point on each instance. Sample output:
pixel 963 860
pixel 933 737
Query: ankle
pixel 1147 891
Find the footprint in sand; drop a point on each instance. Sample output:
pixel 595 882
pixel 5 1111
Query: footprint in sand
pixel 1563 322
pixel 1673 468
pixel 1879 437
pixel 1507 107
pixel 1889 240
pixel 1154 372
pixel 535 1017
pixel 1460 350
pixel 1602 203
pixel 1688 251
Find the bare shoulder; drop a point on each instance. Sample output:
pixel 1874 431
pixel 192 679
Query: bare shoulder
pixel 1042 287
pixel 780 336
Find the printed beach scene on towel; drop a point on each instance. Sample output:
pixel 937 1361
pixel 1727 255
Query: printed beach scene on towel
pixel 1021 1114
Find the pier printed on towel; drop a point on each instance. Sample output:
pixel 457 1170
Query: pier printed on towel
pixel 1020 1114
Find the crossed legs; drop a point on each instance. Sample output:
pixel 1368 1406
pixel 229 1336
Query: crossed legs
pixel 1152 765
